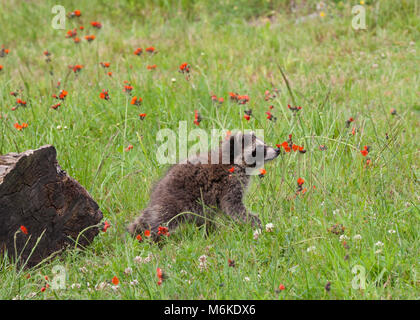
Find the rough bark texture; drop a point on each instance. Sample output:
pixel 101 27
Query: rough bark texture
pixel 37 194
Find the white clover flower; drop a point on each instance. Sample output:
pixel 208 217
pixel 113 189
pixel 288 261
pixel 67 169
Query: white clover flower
pixel 269 227
pixel 83 270
pixel 247 279
pixel 101 286
pixel 311 248
pixel 379 244
pixel 138 259
pixel 343 237
pixel 378 251
pixel 357 237
pixel 336 211
pixel 391 231
pixel 75 285
pixel 257 233
pixel 128 271
pixel 173 80
pixel 134 282
pixel 115 288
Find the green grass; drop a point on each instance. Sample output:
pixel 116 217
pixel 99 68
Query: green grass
pixel 335 73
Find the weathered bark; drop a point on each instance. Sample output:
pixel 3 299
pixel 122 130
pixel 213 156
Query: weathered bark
pixel 37 194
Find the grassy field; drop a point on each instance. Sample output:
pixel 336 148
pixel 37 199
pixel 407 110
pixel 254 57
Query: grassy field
pixel 359 212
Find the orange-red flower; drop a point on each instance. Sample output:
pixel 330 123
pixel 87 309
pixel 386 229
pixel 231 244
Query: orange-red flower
pixel 130 147
pixel 263 172
pixel 23 229
pixel 247 117
pixel 153 66
pixel 282 287
pixel 1 67
pixel 231 170
pixel 138 51
pixel 96 24
pixel 128 88
pixel 115 280
pixel 147 233
pixel 4 52
pixel 20 126
pixel 90 38
pixel 365 151
pixel 55 106
pixel 136 101
pixel 300 181
pixel 142 116
pixel 139 238
pixel 106 226
pixel 160 275
pixel 71 33
pixel 75 13
pixel 184 68
pixel 105 64
pixel 104 95
pixel 197 118
pixel 150 49
pixel 76 40
pixel 163 231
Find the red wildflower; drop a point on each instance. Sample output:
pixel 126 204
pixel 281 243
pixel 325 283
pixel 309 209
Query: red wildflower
pixel 82 28
pixel 106 226
pixel 71 33
pixel 365 151
pixel 393 111
pixel 163 231
pixel 76 40
pixel 13 93
pixel 76 68
pixel 282 287
pixel 197 118
pixel 130 147
pixel 231 170
pixel 104 95
pixel 43 289
pixel 247 117
pixel 221 100
pixel 138 51
pixel 96 24
pixel 90 38
pixel 21 102
pixel 75 13
pixel 142 116
pixel 4 52
pixel 115 280
pixel 136 101
pixel 160 275
pixel 300 181
pixel 109 74
pixel 55 106
pixel 1 67
pixel 62 95
pixel 105 64
pixel 23 229
pixel 147 233
pixel 150 49
pixel 153 66
pixel 263 172
pixel 294 109
pixel 139 238
pixel 353 131
pixel 128 88
pixel 184 68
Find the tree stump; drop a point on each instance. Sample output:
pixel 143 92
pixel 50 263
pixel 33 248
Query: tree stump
pixel 52 207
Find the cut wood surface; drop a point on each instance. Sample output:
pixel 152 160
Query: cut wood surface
pixel 42 209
